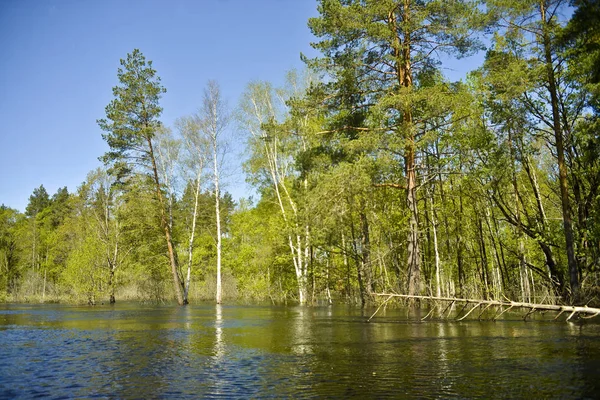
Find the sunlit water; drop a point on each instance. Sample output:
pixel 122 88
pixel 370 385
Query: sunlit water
pixel 137 351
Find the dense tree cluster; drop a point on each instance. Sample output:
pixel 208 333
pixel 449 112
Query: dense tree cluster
pixel 374 171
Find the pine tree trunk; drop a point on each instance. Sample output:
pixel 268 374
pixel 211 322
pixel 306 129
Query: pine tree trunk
pixel 414 257
pixel 402 55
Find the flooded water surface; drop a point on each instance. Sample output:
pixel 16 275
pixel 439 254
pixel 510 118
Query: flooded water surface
pixel 207 351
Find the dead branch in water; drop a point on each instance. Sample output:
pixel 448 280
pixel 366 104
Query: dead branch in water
pixel 584 311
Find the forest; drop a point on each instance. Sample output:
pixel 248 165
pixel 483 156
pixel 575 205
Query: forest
pixel 373 172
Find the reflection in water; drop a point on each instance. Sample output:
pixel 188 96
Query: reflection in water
pixel 446 380
pixel 219 352
pixel 246 352
pixel 219 345
pixel 301 331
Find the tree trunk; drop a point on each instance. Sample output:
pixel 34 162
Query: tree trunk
pixel 346 266
pixel 362 288
pixel 44 289
pixel 165 225
pixel 562 167
pixel 438 286
pixel 484 258
pixel 218 216
pixel 556 276
pixel 414 257
pixel 367 271
pixel 111 284
pixel 402 55
pixel 459 246
pixel 191 242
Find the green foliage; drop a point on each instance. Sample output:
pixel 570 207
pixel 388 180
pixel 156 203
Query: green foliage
pixel 83 276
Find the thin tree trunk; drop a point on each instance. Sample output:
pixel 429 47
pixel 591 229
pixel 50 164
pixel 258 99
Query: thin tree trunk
pixel 459 248
pixel 438 287
pixel 484 258
pixel 218 216
pixel 44 289
pixel 329 301
pixel 346 265
pixel 493 243
pixel 191 242
pixel 556 277
pixel 111 284
pixel 366 255
pixel 359 267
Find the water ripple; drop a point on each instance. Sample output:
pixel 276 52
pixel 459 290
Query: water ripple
pixel 276 352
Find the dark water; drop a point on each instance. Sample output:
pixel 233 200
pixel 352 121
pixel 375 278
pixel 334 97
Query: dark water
pixel 136 351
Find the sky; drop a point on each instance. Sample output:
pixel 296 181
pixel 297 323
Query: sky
pixel 59 60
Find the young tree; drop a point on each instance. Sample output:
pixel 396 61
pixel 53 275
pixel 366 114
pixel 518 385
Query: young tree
pixel 102 204
pixel 131 124
pixel 213 118
pixel 196 155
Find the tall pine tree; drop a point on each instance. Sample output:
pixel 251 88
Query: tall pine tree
pixel 131 123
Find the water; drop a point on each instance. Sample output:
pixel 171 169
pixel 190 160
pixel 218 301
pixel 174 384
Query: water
pixel 136 351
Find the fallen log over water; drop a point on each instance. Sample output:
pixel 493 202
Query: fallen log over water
pixel 584 312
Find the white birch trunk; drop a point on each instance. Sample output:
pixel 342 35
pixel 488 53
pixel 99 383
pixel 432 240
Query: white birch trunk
pixel 191 242
pixel 218 216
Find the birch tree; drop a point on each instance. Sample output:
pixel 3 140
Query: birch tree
pixel 213 118
pixel 196 149
pixel 275 140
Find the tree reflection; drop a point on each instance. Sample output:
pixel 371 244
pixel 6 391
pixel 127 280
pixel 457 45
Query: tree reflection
pixel 219 347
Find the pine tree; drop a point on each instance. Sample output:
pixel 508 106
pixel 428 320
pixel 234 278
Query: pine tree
pixel 131 124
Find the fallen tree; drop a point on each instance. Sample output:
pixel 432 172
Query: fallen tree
pixel 584 312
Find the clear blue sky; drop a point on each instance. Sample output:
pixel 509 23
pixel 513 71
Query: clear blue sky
pixel 59 60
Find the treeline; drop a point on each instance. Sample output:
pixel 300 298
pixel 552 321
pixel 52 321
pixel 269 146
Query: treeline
pixel 375 172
